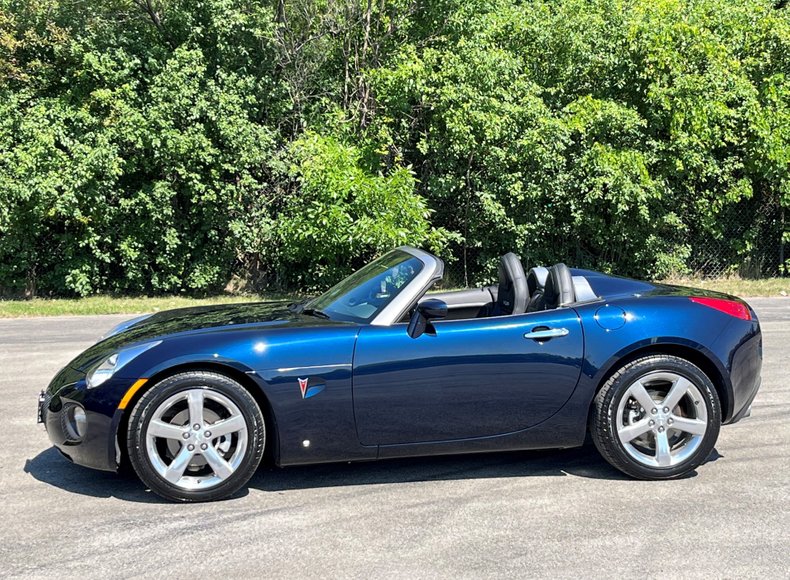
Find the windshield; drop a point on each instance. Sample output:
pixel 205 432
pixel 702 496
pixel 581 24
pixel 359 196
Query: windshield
pixel 361 296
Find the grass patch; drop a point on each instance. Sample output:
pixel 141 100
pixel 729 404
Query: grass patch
pixel 114 305
pixel 141 305
pixel 769 287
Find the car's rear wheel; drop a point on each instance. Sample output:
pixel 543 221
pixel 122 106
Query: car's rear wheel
pixel 196 436
pixel 657 417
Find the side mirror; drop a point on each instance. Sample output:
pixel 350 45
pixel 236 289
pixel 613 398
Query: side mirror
pixel 427 310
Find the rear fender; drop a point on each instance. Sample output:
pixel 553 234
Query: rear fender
pixel 667 324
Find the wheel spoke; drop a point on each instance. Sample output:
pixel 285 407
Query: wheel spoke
pixel 663 453
pixel 177 467
pixel 679 388
pixel 631 432
pixel 195 400
pixel 179 434
pixel 222 468
pixel 693 426
pixel 159 428
pixel 227 426
pixel 671 407
pixel 639 392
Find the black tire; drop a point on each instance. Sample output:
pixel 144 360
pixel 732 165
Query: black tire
pixel 208 381
pixel 603 427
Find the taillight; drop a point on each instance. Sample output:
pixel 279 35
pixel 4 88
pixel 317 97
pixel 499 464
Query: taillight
pixel 731 307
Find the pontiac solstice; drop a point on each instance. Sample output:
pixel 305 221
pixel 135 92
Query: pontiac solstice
pixel 381 366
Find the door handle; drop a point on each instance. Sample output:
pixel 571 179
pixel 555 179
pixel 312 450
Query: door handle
pixel 543 333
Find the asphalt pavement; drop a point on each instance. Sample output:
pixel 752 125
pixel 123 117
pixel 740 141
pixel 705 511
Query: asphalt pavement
pixel 526 514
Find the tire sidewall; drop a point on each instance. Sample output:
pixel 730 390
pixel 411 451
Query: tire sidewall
pixel 144 410
pixel 611 401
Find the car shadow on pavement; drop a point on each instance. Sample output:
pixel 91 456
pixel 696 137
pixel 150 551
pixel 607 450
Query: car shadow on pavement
pixel 50 468
pixel 581 462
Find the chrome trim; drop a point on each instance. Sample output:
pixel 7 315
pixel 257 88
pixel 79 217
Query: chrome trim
pixel 546 334
pixel 432 271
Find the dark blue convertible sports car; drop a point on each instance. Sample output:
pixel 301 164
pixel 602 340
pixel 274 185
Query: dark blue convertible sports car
pixel 380 367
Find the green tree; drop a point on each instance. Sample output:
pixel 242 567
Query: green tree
pixel 165 146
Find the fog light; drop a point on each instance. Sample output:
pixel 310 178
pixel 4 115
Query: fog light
pixel 80 420
pixel 74 422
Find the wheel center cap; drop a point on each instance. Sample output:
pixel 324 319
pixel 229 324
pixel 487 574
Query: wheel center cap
pixel 661 419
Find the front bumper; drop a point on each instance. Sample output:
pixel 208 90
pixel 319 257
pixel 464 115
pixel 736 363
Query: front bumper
pixel 89 439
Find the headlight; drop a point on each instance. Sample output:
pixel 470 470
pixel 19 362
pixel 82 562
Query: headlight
pixel 115 362
pixel 124 325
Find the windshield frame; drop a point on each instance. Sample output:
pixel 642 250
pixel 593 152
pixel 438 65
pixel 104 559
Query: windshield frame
pixel 431 272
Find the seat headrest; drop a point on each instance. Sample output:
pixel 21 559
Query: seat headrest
pixel 536 279
pixel 559 287
pixel 512 294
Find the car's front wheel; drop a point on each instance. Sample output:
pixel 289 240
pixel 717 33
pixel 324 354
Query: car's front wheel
pixel 196 436
pixel 657 417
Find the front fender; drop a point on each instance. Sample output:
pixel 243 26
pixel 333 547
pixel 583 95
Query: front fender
pixel 279 363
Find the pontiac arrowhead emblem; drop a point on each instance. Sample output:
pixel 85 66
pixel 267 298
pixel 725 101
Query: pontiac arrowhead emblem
pixel 303 385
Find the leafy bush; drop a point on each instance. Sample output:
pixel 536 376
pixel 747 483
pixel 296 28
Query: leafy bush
pixel 613 134
pixel 338 214
pixel 164 146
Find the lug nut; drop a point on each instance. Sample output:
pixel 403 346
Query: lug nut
pixel 652 422
pixel 666 409
pixel 654 410
pixel 185 435
pixel 207 434
pixel 196 427
pixel 660 429
pixel 191 447
pixel 204 446
pixel 670 421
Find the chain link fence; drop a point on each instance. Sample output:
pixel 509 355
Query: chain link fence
pixel 746 241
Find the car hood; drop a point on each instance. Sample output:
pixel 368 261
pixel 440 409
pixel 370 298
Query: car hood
pixel 201 319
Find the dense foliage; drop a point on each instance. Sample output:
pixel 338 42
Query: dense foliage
pixel 167 146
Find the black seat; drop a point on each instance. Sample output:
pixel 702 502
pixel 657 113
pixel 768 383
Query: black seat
pixel 536 282
pixel 559 287
pixel 512 294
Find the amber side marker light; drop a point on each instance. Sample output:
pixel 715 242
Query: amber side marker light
pixel 130 393
pixel 731 307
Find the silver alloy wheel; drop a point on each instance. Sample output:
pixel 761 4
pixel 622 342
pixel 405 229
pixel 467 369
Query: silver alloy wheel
pixel 662 419
pixel 196 439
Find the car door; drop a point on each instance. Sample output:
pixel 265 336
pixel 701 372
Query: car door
pixel 471 378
